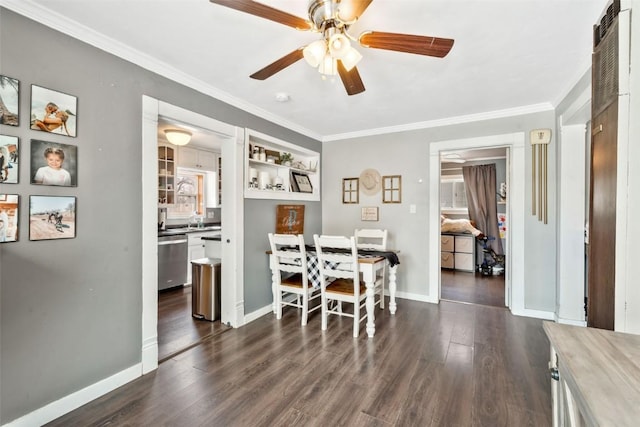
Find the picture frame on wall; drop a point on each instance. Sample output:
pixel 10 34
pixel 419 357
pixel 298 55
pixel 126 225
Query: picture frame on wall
pixel 53 111
pixel 350 190
pixel 302 182
pixel 9 217
pixel 10 100
pixel 290 219
pixel 53 163
pixel 52 217
pixel 9 155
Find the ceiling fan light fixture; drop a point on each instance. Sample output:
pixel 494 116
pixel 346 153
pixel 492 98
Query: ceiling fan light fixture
pixel 177 136
pixel 314 52
pixel 339 46
pixel 328 66
pixel 351 59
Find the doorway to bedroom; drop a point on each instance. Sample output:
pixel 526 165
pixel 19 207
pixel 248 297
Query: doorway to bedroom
pixel 473 209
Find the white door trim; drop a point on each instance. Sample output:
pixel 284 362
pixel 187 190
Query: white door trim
pixel 232 288
pixel 514 271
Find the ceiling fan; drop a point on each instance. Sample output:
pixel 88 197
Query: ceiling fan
pixel 333 53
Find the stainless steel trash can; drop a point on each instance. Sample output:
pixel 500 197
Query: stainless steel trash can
pixel 205 288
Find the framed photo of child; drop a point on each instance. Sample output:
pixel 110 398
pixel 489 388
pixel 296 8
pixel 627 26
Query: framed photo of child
pixel 9 204
pixel 52 217
pixel 53 163
pixel 9 159
pixel 53 111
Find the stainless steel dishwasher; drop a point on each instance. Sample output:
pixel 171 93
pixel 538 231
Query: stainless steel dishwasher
pixel 172 260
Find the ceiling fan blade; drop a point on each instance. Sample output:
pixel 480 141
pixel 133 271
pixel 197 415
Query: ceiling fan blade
pixel 278 65
pixel 350 79
pixel 350 10
pixel 421 45
pixel 267 12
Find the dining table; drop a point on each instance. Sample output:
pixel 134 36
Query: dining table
pixel 370 262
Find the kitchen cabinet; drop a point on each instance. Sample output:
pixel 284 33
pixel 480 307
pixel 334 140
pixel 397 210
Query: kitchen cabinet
pixel 266 177
pixel 195 158
pixel 166 174
pixel 196 248
pixel 595 376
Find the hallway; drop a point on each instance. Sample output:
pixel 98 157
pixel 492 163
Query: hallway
pixel 472 288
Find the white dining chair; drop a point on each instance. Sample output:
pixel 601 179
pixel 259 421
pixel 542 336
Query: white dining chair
pixel 290 275
pixel 374 239
pixel 338 260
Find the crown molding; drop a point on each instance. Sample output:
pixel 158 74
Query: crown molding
pixel 497 114
pixel 87 35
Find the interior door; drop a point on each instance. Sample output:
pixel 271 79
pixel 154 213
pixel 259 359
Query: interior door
pixel 602 220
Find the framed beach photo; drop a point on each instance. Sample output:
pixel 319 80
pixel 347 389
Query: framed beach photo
pixel 9 101
pixel 9 205
pixel 9 159
pixel 52 217
pixel 53 111
pixel 54 164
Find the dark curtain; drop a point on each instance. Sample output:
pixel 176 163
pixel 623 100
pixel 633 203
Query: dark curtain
pixel 480 184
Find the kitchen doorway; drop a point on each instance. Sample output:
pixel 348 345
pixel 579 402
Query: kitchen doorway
pixel 468 271
pixel 232 290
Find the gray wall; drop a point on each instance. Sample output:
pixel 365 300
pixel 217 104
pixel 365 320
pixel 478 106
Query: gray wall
pixel 407 154
pixel 71 309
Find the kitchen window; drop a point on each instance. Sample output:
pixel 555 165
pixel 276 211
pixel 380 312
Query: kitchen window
pixel 190 195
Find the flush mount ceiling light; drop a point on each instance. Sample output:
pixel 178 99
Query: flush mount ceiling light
pixel 452 158
pixel 178 136
pixel 333 53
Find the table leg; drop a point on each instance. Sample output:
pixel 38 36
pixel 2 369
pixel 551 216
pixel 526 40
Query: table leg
pixel 369 280
pixel 392 289
pixel 274 279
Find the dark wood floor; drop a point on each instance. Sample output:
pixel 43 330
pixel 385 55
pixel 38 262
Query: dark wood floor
pixel 177 329
pixel 450 364
pixel 474 288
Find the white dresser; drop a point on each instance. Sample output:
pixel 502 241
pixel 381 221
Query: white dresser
pixel 458 251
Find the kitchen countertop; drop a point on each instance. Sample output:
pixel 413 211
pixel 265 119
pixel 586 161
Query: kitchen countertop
pixel 184 229
pixel 602 369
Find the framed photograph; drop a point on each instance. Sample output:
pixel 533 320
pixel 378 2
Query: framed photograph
pixel 54 164
pixel 302 182
pixel 9 159
pixel 10 99
pixel 392 189
pixel 369 213
pixel 53 111
pixel 350 190
pixel 52 217
pixel 290 219
pixel 9 205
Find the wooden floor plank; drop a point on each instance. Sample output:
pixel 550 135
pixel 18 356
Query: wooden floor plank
pixel 429 365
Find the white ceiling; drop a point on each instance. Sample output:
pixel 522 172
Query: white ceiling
pixel 513 55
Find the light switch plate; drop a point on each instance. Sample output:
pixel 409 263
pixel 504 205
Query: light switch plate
pixel 412 208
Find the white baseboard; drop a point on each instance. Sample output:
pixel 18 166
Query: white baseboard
pixel 75 400
pixel 537 314
pixel 570 322
pixel 257 314
pixel 416 297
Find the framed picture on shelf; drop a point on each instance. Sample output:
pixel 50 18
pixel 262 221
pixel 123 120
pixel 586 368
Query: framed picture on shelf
pixel 9 159
pixel 10 97
pixel 53 163
pixel 9 204
pixel 53 111
pixel 302 182
pixel 52 217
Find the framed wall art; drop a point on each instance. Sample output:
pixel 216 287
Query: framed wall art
pixel 52 217
pixel 9 101
pixel 350 190
pixel 53 163
pixel 302 182
pixel 290 219
pixel 9 216
pixel 53 111
pixel 9 159
pixel 392 189
pixel 369 213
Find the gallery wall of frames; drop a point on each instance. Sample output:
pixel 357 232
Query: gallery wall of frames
pixel 48 163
